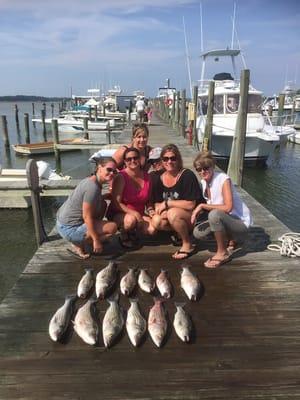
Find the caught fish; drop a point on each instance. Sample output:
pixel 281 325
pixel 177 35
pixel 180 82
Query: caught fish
pixel 105 279
pixel 145 281
pixel 128 282
pixel 135 323
pixel 86 283
pixel 84 324
pixel 182 323
pixel 157 322
pixel 190 283
pixel 163 284
pixel 113 322
pixel 61 319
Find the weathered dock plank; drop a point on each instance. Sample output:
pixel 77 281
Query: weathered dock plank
pixel 245 341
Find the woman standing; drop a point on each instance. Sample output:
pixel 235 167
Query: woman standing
pixel 140 136
pixel 228 217
pixel 130 196
pixel 79 219
pixel 175 195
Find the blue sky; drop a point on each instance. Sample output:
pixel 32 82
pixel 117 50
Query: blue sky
pixel 49 46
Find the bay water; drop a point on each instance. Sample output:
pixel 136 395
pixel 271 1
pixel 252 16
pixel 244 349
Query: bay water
pixel 276 186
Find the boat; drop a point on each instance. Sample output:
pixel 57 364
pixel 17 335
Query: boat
pixel 261 137
pixel 74 123
pixel 45 147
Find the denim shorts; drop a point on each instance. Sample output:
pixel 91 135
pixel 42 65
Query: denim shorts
pixel 72 233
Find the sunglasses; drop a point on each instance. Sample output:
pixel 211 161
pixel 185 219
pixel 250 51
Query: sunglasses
pixel 172 158
pixel 154 161
pixel 134 158
pixel 200 169
pixel 111 170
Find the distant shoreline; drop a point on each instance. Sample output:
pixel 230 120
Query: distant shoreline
pixel 32 98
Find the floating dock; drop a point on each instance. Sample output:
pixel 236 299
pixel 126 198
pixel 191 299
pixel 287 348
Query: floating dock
pixel 245 341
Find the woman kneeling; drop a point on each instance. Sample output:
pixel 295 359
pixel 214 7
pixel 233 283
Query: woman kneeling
pixel 79 219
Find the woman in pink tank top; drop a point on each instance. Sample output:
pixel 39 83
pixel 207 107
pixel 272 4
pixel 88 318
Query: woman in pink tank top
pixel 131 192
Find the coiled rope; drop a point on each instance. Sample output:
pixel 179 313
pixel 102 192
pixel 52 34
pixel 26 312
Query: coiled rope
pixel 290 245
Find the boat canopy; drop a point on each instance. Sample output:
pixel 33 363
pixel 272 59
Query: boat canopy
pixel 221 53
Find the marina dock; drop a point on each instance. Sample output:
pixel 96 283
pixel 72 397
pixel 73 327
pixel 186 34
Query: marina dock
pixel 246 324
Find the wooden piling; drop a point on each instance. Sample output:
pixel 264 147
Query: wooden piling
pixel 195 101
pixel 17 118
pixel 5 131
pixel 43 115
pixel 26 125
pixel 86 127
pixel 280 109
pixel 236 161
pixel 96 113
pixel 207 137
pixel 52 110
pixel 182 112
pixel 90 113
pixel 177 110
pixel 33 111
pixel 33 184
pixel 55 134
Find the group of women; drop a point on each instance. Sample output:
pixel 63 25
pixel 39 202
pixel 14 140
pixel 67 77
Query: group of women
pixel 150 194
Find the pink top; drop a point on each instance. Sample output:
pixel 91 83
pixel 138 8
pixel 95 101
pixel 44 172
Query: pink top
pixel 134 198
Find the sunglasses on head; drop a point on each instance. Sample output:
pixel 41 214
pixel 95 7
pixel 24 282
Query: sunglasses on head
pixel 200 169
pixel 134 158
pixel 172 158
pixel 111 170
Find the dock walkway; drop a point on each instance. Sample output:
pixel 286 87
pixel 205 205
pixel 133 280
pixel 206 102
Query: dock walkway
pixel 246 342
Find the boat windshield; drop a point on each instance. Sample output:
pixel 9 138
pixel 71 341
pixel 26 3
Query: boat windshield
pixel 218 104
pixel 254 103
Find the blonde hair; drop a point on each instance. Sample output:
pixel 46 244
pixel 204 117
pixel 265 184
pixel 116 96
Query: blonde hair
pixel 139 127
pixel 204 159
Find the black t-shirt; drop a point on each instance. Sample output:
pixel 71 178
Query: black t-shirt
pixel 186 188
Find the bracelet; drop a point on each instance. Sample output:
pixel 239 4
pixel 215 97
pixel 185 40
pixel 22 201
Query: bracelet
pixel 166 204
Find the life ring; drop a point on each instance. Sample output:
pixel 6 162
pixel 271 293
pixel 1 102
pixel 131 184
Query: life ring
pixel 169 102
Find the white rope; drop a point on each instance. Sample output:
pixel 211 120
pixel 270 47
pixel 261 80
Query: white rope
pixel 290 245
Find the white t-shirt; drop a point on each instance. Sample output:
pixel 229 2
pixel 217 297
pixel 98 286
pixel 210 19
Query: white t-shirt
pixel 239 208
pixel 140 105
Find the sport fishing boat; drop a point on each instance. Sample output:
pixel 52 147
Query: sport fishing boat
pixel 261 136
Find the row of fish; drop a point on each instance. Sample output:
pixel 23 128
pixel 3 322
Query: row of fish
pixel 106 278
pixel 86 326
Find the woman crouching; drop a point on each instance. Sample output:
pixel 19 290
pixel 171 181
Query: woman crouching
pixel 80 218
pixel 228 216
pixel 175 195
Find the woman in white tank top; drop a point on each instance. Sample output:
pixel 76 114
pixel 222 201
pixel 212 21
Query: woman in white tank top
pixel 228 216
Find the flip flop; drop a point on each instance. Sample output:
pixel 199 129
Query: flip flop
pixel 186 254
pixel 126 243
pixel 78 255
pixel 216 262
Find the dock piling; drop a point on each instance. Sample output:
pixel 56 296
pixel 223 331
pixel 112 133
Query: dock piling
pixel 86 127
pixel 5 130
pixel 54 126
pixel 182 113
pixel 236 161
pixel 33 184
pixel 206 142
pixel 26 125
pixel 43 115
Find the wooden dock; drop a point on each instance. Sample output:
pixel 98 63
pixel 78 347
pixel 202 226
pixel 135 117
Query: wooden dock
pixel 246 325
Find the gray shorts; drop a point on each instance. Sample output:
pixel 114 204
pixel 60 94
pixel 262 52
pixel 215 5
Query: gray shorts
pixel 73 233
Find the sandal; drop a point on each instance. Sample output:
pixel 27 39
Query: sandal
pixel 216 262
pixel 232 246
pixel 183 254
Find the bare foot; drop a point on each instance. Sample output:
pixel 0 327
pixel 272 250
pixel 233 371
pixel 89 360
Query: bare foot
pixel 216 261
pixel 182 253
pixel 78 251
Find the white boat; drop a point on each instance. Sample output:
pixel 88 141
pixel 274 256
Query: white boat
pixel 75 123
pixel 45 147
pixel 295 138
pixel 261 136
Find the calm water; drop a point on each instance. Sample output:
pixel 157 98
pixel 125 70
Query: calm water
pixel 276 187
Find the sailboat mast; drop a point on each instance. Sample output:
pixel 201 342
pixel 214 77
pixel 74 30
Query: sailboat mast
pixel 187 58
